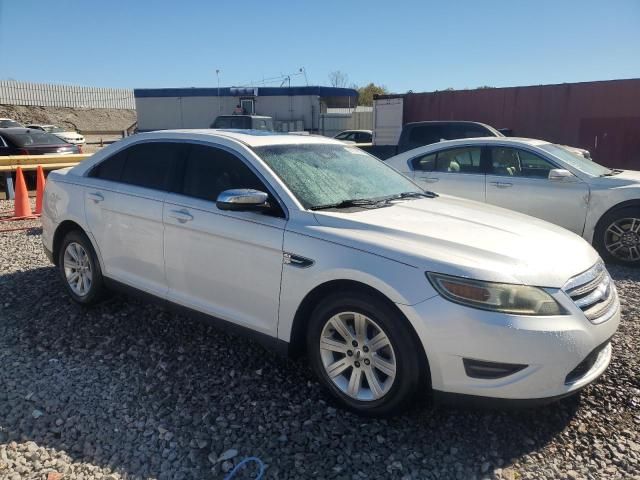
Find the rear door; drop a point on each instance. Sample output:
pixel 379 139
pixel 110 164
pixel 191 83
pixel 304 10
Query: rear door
pixel 518 180
pixel 455 171
pixel 123 204
pixel 223 263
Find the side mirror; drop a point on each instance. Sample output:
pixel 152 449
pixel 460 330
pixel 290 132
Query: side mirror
pixel 242 200
pixel 560 174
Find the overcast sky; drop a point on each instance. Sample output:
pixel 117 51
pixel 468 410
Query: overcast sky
pixel 412 45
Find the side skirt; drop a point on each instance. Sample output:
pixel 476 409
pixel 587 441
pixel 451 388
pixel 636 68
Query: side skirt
pixel 276 345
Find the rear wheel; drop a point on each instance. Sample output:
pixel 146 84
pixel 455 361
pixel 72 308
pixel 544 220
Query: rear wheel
pixel 80 269
pixel 617 236
pixel 365 353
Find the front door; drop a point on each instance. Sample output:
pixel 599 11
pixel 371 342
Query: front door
pixel 226 264
pixel 456 171
pixel 518 180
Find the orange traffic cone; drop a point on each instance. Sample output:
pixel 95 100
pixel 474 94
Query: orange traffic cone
pixel 22 207
pixel 40 181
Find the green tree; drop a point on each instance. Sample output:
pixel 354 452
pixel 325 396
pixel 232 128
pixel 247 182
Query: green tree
pixel 366 93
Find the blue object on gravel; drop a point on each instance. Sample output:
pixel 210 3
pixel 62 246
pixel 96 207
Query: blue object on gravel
pixel 244 462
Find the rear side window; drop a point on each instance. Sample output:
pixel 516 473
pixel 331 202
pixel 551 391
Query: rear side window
pixel 210 170
pixel 111 168
pixel 459 160
pixel 425 135
pixel 150 165
pixel 222 122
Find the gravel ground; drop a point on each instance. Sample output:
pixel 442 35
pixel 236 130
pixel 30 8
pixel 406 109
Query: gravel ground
pixel 129 390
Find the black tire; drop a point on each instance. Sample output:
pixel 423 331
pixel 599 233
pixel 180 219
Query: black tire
pixel 96 291
pixel 412 370
pixel 602 237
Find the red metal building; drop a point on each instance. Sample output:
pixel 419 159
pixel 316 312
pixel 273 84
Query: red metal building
pixel 603 117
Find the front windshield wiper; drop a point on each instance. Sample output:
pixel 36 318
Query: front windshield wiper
pixel 612 172
pixel 425 194
pixel 354 202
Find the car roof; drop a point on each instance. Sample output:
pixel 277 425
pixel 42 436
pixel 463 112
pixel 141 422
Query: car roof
pixel 252 138
pixel 17 130
pixel 360 131
pixel 39 125
pixel 447 122
pixel 483 141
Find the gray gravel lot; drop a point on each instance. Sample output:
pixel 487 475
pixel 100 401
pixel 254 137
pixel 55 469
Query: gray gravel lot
pixel 129 390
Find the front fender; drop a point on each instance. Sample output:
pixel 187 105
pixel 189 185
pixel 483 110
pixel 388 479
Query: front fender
pixel 400 283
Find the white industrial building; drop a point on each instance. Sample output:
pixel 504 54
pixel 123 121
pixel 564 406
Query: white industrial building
pixel 292 108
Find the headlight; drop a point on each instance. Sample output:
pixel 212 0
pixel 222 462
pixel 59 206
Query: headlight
pixel 498 297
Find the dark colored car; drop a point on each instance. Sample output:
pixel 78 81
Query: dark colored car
pixel 244 122
pixel 25 141
pixel 417 134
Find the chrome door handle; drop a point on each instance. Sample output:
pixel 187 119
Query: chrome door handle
pixel 430 180
pixel 181 215
pixel 97 197
pixel 502 184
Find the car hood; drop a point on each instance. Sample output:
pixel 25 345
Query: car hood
pixel 465 238
pixel 624 179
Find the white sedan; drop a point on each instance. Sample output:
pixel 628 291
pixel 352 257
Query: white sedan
pixel 538 178
pixel 316 247
pixel 69 136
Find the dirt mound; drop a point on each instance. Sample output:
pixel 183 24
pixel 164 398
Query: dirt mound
pixel 83 119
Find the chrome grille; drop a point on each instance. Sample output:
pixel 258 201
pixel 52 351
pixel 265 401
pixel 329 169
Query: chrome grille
pixel 594 293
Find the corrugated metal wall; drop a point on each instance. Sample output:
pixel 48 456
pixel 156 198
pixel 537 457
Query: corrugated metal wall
pixel 49 95
pixel 332 122
pixel 603 117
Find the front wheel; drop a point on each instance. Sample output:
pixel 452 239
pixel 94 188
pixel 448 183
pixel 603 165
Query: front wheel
pixel 365 353
pixel 617 236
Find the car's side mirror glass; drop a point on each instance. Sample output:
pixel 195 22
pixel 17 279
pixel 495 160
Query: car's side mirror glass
pixel 242 200
pixel 560 174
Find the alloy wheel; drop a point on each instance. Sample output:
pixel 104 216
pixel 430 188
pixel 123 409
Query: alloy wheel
pixel 77 269
pixel 622 239
pixel 357 356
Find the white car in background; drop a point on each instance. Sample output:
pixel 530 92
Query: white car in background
pixel 69 136
pixel 10 123
pixel 357 137
pixel 538 178
pixel 318 247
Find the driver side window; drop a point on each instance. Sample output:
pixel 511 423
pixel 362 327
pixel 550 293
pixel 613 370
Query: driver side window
pixel 514 162
pixel 209 171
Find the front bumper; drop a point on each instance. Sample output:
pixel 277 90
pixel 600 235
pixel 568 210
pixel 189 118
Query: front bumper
pixel 556 350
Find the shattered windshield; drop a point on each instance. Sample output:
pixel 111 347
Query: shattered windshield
pixel 325 174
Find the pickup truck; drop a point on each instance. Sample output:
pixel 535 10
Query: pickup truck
pixel 418 134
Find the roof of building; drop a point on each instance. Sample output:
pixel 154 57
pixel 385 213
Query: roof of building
pixel 248 91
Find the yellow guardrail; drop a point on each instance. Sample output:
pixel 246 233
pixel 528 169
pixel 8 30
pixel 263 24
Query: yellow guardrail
pixel 10 163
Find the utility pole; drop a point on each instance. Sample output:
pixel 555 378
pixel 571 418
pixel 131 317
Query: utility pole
pixel 219 100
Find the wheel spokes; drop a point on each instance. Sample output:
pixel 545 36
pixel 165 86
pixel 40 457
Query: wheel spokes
pixel 355 381
pixel 338 367
pixel 358 356
pixel 378 342
pixel 340 327
pixel 386 367
pixel 333 345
